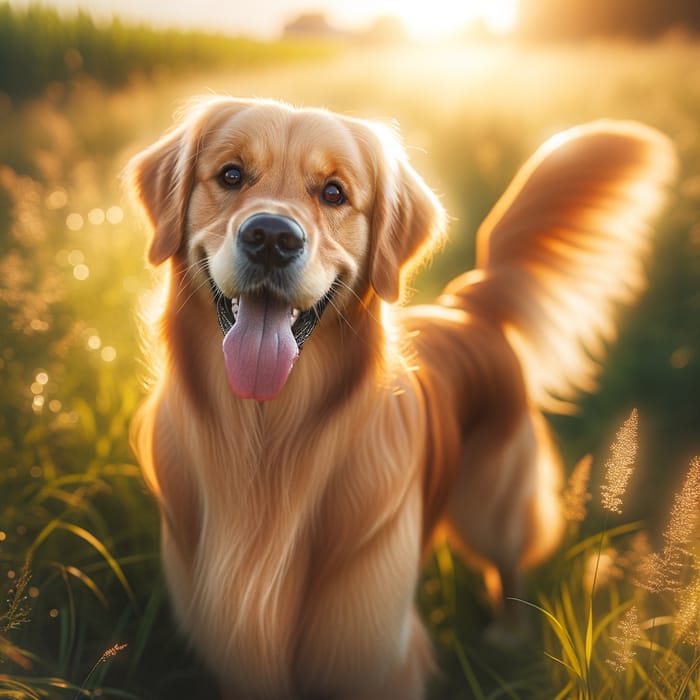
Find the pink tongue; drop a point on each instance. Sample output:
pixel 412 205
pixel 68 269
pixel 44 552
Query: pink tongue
pixel 260 349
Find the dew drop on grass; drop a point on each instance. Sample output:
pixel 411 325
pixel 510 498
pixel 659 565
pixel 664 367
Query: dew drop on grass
pixel 74 221
pixel 75 257
pixel 96 216
pixel 57 199
pixel 115 215
pixel 81 272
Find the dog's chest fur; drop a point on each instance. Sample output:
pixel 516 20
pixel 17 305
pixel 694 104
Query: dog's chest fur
pixel 286 539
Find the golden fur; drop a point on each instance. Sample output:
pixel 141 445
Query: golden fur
pixel 293 529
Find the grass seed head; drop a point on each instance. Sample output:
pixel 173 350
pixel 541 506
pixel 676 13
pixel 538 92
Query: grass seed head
pixel 576 494
pixel 111 653
pixel 628 634
pixel 17 612
pixel 685 512
pixel 687 619
pixel 664 570
pixel 620 465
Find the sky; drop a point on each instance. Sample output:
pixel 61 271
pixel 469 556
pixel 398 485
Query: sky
pixel 266 18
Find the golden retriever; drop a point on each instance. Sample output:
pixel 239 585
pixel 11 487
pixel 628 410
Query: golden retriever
pixel 303 467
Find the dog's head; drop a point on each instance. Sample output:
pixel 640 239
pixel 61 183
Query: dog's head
pixel 279 213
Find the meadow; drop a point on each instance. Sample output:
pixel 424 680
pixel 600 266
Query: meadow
pixel 615 614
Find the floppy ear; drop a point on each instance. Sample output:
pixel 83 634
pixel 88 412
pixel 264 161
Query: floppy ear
pixel 407 222
pixel 161 177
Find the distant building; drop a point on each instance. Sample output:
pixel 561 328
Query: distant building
pixel 312 25
pixel 387 29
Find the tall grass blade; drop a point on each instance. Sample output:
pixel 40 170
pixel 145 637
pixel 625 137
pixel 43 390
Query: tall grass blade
pixel 468 671
pixel 685 684
pixel 88 537
pixel 15 688
pixel 589 637
pixel 567 644
pixel 15 654
pixel 562 662
pixel 89 583
pixel 67 631
pixel 145 629
pixel 566 693
pixel 609 534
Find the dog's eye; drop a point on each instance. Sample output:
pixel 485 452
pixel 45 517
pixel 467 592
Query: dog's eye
pixel 333 194
pixel 231 176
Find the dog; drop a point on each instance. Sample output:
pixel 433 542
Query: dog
pixel 308 433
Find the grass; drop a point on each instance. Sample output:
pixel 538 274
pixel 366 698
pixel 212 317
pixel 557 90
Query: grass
pixel 47 48
pixel 84 612
pixel 612 618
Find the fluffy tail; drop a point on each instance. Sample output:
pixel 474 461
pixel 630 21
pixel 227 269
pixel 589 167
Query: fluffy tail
pixel 564 246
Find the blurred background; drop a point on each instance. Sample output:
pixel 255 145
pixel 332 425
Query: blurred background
pixel 475 86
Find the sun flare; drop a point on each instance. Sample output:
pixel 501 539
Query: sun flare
pixel 439 18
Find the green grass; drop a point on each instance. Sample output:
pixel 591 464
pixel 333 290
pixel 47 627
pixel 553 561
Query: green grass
pixel 45 48
pixel 79 533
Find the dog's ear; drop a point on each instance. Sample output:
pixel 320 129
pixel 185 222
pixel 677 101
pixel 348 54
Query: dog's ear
pixel 161 177
pixel 407 222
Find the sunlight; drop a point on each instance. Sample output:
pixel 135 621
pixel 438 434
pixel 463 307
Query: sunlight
pixel 440 18
pixel 500 16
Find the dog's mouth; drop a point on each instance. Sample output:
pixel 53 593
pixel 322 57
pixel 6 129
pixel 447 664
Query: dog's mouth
pixel 263 336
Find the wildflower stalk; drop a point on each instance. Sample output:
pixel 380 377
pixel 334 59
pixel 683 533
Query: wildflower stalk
pixel 108 654
pixel 620 465
pixel 618 470
pixel 576 494
pixel 17 611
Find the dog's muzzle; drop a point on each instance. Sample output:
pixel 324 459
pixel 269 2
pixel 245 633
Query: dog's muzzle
pixel 263 334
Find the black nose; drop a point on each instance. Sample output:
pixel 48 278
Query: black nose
pixel 271 240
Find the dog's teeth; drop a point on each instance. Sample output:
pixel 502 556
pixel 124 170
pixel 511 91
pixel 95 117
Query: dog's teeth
pixel 295 314
pixel 234 308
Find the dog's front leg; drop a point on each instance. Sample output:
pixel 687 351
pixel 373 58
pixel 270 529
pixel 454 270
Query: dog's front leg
pixel 409 679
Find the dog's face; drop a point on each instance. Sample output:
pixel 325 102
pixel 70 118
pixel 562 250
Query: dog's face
pixel 280 213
